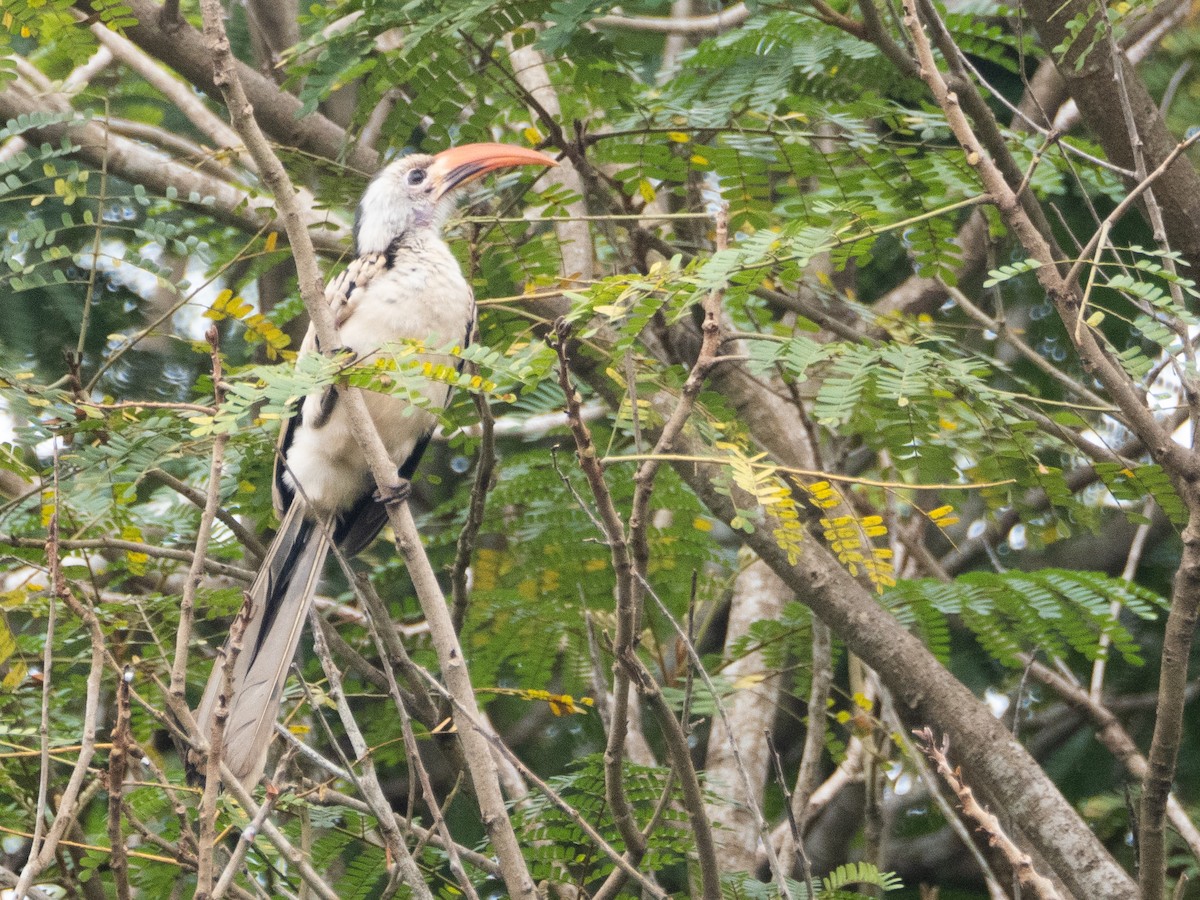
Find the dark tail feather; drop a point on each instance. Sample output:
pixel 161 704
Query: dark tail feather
pixel 279 601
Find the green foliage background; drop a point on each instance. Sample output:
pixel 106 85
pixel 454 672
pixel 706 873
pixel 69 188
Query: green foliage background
pixel 841 182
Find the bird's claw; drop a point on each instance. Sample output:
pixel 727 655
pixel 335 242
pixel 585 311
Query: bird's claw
pixel 344 355
pixel 399 494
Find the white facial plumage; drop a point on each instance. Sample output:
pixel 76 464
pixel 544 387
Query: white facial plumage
pixel 405 195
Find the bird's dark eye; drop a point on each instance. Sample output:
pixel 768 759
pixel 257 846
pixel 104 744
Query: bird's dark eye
pixel 416 176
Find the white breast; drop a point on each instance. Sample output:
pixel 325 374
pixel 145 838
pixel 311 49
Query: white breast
pixel 422 297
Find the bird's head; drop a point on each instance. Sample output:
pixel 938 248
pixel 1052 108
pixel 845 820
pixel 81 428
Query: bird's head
pixel 419 191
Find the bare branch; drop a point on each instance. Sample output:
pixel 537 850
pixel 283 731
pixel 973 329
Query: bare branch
pixel 178 92
pixel 485 470
pixel 71 85
pixel 368 781
pixel 618 859
pixel 1134 558
pixel 714 23
pixel 1041 886
pixel 245 839
pixel 118 763
pixel 211 746
pixel 187 606
pixel 928 693
pixel 183 48
pixel 210 565
pixel 40 856
pixel 286 849
pixel 1116 739
pixel 931 784
pixel 138 164
pixel 629 667
pixel 199 498
pixel 1179 463
pixel 480 763
pixel 743 776
pixel 628 615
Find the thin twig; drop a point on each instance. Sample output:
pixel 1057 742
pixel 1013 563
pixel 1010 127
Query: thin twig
pixel 187 606
pixel 485 468
pixel 310 754
pixel 486 864
pixel 118 762
pixel 42 856
pixel 106 543
pixel 368 780
pixel 814 735
pixel 199 498
pixel 1155 215
pixel 58 585
pixel 245 841
pixel 789 806
pixel 713 23
pixel 214 742
pixel 396 656
pixel 1041 886
pixel 609 522
pixel 1112 734
pixel 1001 328
pixel 1127 203
pixel 277 838
pixel 755 808
pixel 554 797
pixel 482 766
pixel 416 764
pixel 711 335
pixel 1132 560
pixel 943 804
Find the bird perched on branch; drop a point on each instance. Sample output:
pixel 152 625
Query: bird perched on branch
pixel 404 284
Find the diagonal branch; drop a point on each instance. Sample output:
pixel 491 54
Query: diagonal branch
pixel 480 763
pixel 1117 740
pixel 1029 877
pixel 184 48
pixel 1180 463
pixel 138 164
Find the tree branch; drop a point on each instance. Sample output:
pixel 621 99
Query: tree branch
pixel 1112 734
pixel 481 765
pixel 1041 886
pixel 187 606
pixel 929 694
pixel 138 164
pixel 41 855
pixel 1090 75
pixel 713 23
pixel 1180 464
pixel 184 49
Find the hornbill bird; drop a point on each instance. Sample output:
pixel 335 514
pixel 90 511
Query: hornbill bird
pixel 404 284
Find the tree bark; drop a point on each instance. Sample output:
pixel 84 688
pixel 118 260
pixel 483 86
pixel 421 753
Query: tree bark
pixel 1090 76
pixel 183 48
pixel 758 594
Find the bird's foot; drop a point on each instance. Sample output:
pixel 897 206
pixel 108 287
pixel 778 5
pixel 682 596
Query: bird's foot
pixel 345 356
pixel 399 494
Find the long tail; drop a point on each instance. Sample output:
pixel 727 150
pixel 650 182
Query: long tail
pixel 279 601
